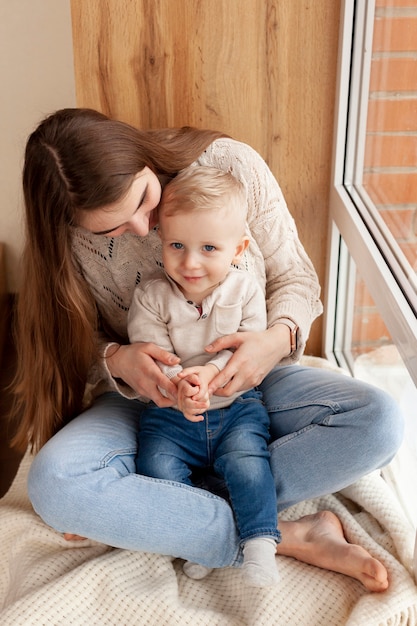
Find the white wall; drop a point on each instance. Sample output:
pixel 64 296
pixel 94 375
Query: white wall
pixel 36 78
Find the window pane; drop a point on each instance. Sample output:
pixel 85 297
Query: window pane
pixel 371 304
pixel 369 331
pixel 390 158
pixel 376 360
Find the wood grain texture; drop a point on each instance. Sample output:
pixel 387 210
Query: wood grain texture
pixel 263 71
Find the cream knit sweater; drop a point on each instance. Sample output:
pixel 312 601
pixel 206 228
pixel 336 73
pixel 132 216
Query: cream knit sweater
pixel 113 267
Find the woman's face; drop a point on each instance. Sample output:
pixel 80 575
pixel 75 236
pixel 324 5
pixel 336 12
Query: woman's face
pixel 134 213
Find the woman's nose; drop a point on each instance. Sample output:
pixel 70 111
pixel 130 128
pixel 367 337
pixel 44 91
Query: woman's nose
pixel 139 224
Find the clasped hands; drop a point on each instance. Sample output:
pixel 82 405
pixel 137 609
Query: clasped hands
pixel 193 397
pixel 255 354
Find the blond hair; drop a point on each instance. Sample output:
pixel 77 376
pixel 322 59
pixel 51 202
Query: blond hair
pixel 202 188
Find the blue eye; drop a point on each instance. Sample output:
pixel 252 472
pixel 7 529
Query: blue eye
pixel 177 246
pixel 208 248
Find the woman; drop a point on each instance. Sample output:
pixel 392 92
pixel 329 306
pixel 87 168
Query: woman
pixel 92 187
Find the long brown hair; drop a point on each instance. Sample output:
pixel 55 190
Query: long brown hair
pixel 75 159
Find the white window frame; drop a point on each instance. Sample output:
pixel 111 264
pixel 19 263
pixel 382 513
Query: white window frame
pixel 358 236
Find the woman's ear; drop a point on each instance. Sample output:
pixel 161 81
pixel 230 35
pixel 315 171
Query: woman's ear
pixel 240 249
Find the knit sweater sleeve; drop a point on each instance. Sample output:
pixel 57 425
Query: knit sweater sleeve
pixel 291 284
pixel 146 321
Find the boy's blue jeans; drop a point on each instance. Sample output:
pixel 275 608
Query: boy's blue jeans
pixel 232 440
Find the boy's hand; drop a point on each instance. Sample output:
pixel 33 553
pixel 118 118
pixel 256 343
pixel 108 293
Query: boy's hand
pixel 188 404
pixel 192 386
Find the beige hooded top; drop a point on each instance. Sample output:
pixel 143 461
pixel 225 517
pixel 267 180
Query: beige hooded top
pixel 113 267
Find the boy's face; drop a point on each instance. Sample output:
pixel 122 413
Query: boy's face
pixel 198 249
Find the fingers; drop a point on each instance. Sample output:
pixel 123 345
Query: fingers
pixel 157 353
pixel 186 390
pixel 162 401
pixel 202 396
pixel 164 391
pixel 228 390
pixel 239 374
pixel 194 418
pixel 135 365
pixel 191 408
pixel 222 343
pixel 191 379
pixel 225 383
pixel 192 414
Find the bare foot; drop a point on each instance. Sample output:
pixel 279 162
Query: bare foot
pixel 71 537
pixel 319 540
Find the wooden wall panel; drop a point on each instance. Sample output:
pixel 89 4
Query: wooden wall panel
pixel 263 71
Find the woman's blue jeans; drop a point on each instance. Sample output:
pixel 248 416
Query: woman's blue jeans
pixel 327 431
pixel 232 440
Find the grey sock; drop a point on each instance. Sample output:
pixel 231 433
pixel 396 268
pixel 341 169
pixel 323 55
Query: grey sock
pixel 259 565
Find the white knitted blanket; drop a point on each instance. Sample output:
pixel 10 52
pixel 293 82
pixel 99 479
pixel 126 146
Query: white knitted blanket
pixel 45 580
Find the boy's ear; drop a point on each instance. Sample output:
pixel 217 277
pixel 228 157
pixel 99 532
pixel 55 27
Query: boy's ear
pixel 240 249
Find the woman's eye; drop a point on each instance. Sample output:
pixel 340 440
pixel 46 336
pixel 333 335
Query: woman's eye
pixel 208 248
pixel 177 246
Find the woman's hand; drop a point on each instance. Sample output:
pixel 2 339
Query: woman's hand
pixel 135 365
pixel 255 356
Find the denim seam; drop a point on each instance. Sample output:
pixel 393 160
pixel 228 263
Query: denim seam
pixel 202 493
pixel 333 406
pixel 283 440
pixel 115 453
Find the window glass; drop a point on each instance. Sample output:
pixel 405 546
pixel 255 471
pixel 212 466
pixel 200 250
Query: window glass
pixel 375 359
pixel 371 291
pixel 390 153
pixel 373 200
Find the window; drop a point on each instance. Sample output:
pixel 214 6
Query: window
pixel 374 192
pixel 371 299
